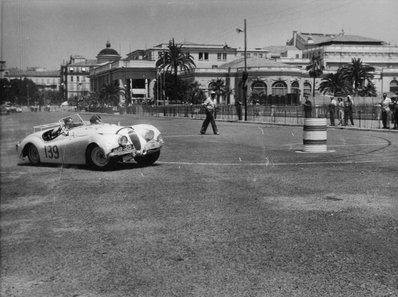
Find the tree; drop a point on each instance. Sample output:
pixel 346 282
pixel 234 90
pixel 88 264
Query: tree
pixel 174 60
pixel 368 91
pixel 334 83
pixel 218 86
pixel 357 74
pixel 109 94
pixel 195 94
pixel 315 69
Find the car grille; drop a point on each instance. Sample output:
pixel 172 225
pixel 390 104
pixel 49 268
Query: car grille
pixel 135 140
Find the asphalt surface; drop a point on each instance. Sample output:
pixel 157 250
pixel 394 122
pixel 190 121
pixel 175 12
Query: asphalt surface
pixel 244 213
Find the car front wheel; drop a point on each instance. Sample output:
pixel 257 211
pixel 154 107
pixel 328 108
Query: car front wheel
pixel 97 159
pixel 33 155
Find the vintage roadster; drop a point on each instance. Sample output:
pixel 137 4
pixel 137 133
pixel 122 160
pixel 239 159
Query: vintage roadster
pixel 73 140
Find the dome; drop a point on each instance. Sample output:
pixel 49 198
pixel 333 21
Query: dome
pixel 107 54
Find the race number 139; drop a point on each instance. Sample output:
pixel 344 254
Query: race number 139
pixel 51 151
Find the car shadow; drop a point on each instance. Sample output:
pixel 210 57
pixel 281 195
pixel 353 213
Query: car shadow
pixel 118 166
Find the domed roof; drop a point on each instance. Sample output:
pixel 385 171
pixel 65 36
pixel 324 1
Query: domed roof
pixel 108 51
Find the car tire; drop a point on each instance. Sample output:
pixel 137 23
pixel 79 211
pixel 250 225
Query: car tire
pixel 33 155
pixel 147 160
pixel 97 160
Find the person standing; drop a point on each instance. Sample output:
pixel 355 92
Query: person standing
pixel 385 111
pixel 210 107
pixel 332 110
pixel 348 111
pixel 394 112
pixel 340 109
pixel 307 108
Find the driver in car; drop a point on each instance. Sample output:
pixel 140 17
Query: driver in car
pixel 68 123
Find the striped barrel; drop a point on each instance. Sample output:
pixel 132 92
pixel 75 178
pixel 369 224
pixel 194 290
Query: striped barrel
pixel 315 135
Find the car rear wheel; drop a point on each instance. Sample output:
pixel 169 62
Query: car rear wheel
pixel 147 160
pixel 97 159
pixel 33 155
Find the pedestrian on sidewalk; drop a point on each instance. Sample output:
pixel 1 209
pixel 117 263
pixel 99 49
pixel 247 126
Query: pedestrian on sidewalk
pixel 332 110
pixel 385 111
pixel 307 108
pixel 210 107
pixel 394 112
pixel 340 109
pixel 348 111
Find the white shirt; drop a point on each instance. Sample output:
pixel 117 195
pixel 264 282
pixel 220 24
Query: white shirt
pixel 385 104
pixel 210 104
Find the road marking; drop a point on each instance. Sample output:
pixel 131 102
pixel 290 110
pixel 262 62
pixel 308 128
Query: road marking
pixel 267 164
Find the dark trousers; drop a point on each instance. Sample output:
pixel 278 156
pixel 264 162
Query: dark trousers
pixel 348 116
pixel 385 118
pixel 331 113
pixel 209 119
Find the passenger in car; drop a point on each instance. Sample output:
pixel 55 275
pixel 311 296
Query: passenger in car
pixel 95 119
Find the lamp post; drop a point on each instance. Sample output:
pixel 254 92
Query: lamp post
pixel 244 74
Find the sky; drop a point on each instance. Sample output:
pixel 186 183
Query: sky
pixel 44 33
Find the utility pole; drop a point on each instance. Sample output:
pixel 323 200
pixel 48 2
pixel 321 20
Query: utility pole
pixel 244 74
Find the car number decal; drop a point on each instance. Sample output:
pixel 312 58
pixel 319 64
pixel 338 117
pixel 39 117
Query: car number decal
pixel 51 151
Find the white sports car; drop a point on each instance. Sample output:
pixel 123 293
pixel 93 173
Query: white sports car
pixel 73 140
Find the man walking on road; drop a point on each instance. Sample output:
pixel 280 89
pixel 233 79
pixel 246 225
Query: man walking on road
pixel 210 107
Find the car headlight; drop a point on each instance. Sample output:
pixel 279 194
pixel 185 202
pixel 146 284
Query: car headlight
pixel 123 140
pixel 160 138
pixel 149 135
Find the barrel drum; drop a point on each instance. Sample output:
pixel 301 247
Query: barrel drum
pixel 315 135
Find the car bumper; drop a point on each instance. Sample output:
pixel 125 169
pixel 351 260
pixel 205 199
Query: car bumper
pixel 150 147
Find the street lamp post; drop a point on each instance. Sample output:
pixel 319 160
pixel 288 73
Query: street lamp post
pixel 244 74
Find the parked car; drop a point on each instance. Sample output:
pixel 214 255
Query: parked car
pixel 4 110
pixel 73 140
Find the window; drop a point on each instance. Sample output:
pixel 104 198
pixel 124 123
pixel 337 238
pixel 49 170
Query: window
pixel 71 78
pixel 259 88
pixel 224 56
pixel 203 56
pixel 279 89
pixel 219 56
pixel 295 87
pixel 307 89
pixel 394 86
pixel 71 69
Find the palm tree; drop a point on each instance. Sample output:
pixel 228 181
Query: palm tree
pixel 218 86
pixel 368 91
pixel 315 69
pixel 174 60
pixel 334 83
pixel 109 94
pixel 195 94
pixel 357 73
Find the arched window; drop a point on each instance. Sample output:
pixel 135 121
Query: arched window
pixel 295 87
pixel 279 89
pixel 394 86
pixel 259 88
pixel 307 89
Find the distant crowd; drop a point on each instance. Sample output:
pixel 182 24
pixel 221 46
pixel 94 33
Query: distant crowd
pixel 342 110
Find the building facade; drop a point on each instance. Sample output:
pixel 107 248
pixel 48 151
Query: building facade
pixel 277 71
pixel 74 77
